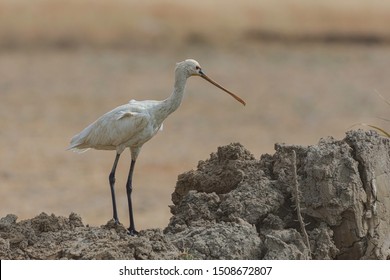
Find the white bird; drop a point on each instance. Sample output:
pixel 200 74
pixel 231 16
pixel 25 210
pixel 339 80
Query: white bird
pixel 133 124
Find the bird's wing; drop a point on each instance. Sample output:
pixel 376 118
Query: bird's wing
pixel 111 130
pixel 124 114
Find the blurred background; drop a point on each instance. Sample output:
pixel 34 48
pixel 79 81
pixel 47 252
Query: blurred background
pixel 307 69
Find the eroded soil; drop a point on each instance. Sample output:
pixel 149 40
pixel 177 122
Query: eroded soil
pixel 234 206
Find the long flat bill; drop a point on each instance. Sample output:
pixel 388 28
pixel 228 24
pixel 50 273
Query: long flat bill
pixel 239 99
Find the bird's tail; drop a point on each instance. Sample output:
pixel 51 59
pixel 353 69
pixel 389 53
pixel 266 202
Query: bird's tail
pixel 76 144
pixel 77 150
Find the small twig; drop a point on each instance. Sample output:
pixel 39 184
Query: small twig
pixel 382 97
pixel 297 200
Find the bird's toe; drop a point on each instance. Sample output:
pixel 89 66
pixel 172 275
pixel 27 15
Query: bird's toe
pixel 132 232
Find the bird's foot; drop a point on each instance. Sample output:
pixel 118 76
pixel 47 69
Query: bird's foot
pixel 132 231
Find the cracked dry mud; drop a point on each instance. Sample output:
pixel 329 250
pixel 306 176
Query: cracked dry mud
pixel 235 206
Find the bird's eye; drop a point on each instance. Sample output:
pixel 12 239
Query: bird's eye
pixel 197 67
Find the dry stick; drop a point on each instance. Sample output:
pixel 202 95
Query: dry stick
pixel 298 204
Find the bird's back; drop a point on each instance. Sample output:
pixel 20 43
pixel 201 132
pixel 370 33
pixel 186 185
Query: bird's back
pixel 124 126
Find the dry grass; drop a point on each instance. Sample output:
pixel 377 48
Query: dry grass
pixel 118 23
pixel 381 130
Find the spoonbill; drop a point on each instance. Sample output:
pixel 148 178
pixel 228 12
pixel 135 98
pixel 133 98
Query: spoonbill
pixel 133 124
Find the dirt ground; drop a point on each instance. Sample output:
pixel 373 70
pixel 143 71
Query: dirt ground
pixel 234 206
pixel 62 70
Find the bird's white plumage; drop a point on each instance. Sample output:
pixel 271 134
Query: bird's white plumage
pixel 129 125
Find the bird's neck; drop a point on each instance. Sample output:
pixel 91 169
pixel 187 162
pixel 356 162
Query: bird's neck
pixel 169 105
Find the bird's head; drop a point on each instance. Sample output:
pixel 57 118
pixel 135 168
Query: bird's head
pixel 192 68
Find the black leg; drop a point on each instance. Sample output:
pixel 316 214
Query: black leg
pixel 129 189
pixel 111 178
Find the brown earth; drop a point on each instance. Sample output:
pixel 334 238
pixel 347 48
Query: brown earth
pixel 235 206
pixel 306 69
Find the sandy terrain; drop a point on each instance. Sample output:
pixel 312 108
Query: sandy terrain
pixel 295 93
